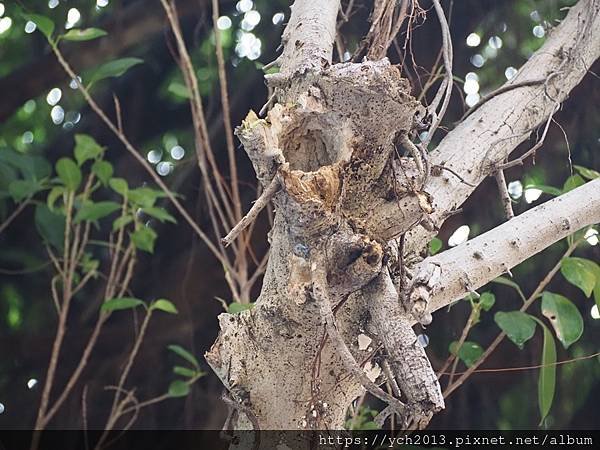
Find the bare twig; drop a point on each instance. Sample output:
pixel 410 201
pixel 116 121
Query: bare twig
pixel 441 167
pixel 519 161
pixel 18 210
pixel 497 92
pixel 448 82
pixel 118 112
pixel 237 206
pixel 257 207
pixel 461 341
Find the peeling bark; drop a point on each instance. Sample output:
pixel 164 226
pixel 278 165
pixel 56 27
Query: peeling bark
pixel 336 270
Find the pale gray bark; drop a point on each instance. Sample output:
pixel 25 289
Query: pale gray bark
pixel 474 263
pixel 336 270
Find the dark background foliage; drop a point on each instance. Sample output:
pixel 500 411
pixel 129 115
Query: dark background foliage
pixel 182 269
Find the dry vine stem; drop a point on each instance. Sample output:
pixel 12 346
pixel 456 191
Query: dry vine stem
pixel 345 198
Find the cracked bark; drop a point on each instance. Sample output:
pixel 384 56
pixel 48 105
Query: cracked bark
pixel 345 196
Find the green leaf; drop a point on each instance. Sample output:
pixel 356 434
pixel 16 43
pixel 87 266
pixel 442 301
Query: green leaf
pixel 597 287
pixel 435 245
pixel 118 304
pixel 145 197
pixel 86 148
pixel 114 68
pixel 179 90
pixel 51 226
pixel 32 167
pixel 547 377
pixel 564 317
pixel 144 239
pixel 164 305
pixel 91 211
pixel 19 190
pixel 544 188
pixel 103 170
pixel 121 222
pixel 7 176
pixel 179 388
pixel 235 307
pixel 587 173
pixel 518 326
pixel 581 272
pixel 69 173
pixel 487 301
pixel 574 181
pixel 53 195
pixel 507 282
pixel 184 371
pixel 159 213
pixel 184 354
pixel 468 353
pixel 119 185
pixel 88 264
pixel 44 24
pixel 84 35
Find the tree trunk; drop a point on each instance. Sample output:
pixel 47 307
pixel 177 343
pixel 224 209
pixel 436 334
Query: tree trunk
pixel 345 282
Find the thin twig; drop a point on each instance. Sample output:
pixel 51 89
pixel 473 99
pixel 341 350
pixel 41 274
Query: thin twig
pixel 461 341
pixel 448 169
pixel 533 367
pixel 447 86
pixel 118 112
pixel 257 207
pixel 237 206
pixel 14 214
pixel 532 150
pixel 497 92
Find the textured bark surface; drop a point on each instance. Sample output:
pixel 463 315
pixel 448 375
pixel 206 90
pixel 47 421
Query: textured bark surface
pixel 335 277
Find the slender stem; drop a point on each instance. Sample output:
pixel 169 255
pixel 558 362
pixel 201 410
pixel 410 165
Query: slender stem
pixel 237 207
pixel 115 411
pixel 461 341
pixel 14 214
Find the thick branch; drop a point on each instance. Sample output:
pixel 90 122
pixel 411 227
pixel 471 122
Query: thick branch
pixel 309 35
pixel 480 260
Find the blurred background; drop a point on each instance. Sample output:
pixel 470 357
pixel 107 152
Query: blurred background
pixel 40 112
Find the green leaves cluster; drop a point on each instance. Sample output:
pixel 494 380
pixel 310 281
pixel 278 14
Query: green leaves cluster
pixel 123 303
pixel 111 69
pixel 181 388
pixel 178 388
pixel 566 323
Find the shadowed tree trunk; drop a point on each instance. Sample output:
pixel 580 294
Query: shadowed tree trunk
pixel 353 218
